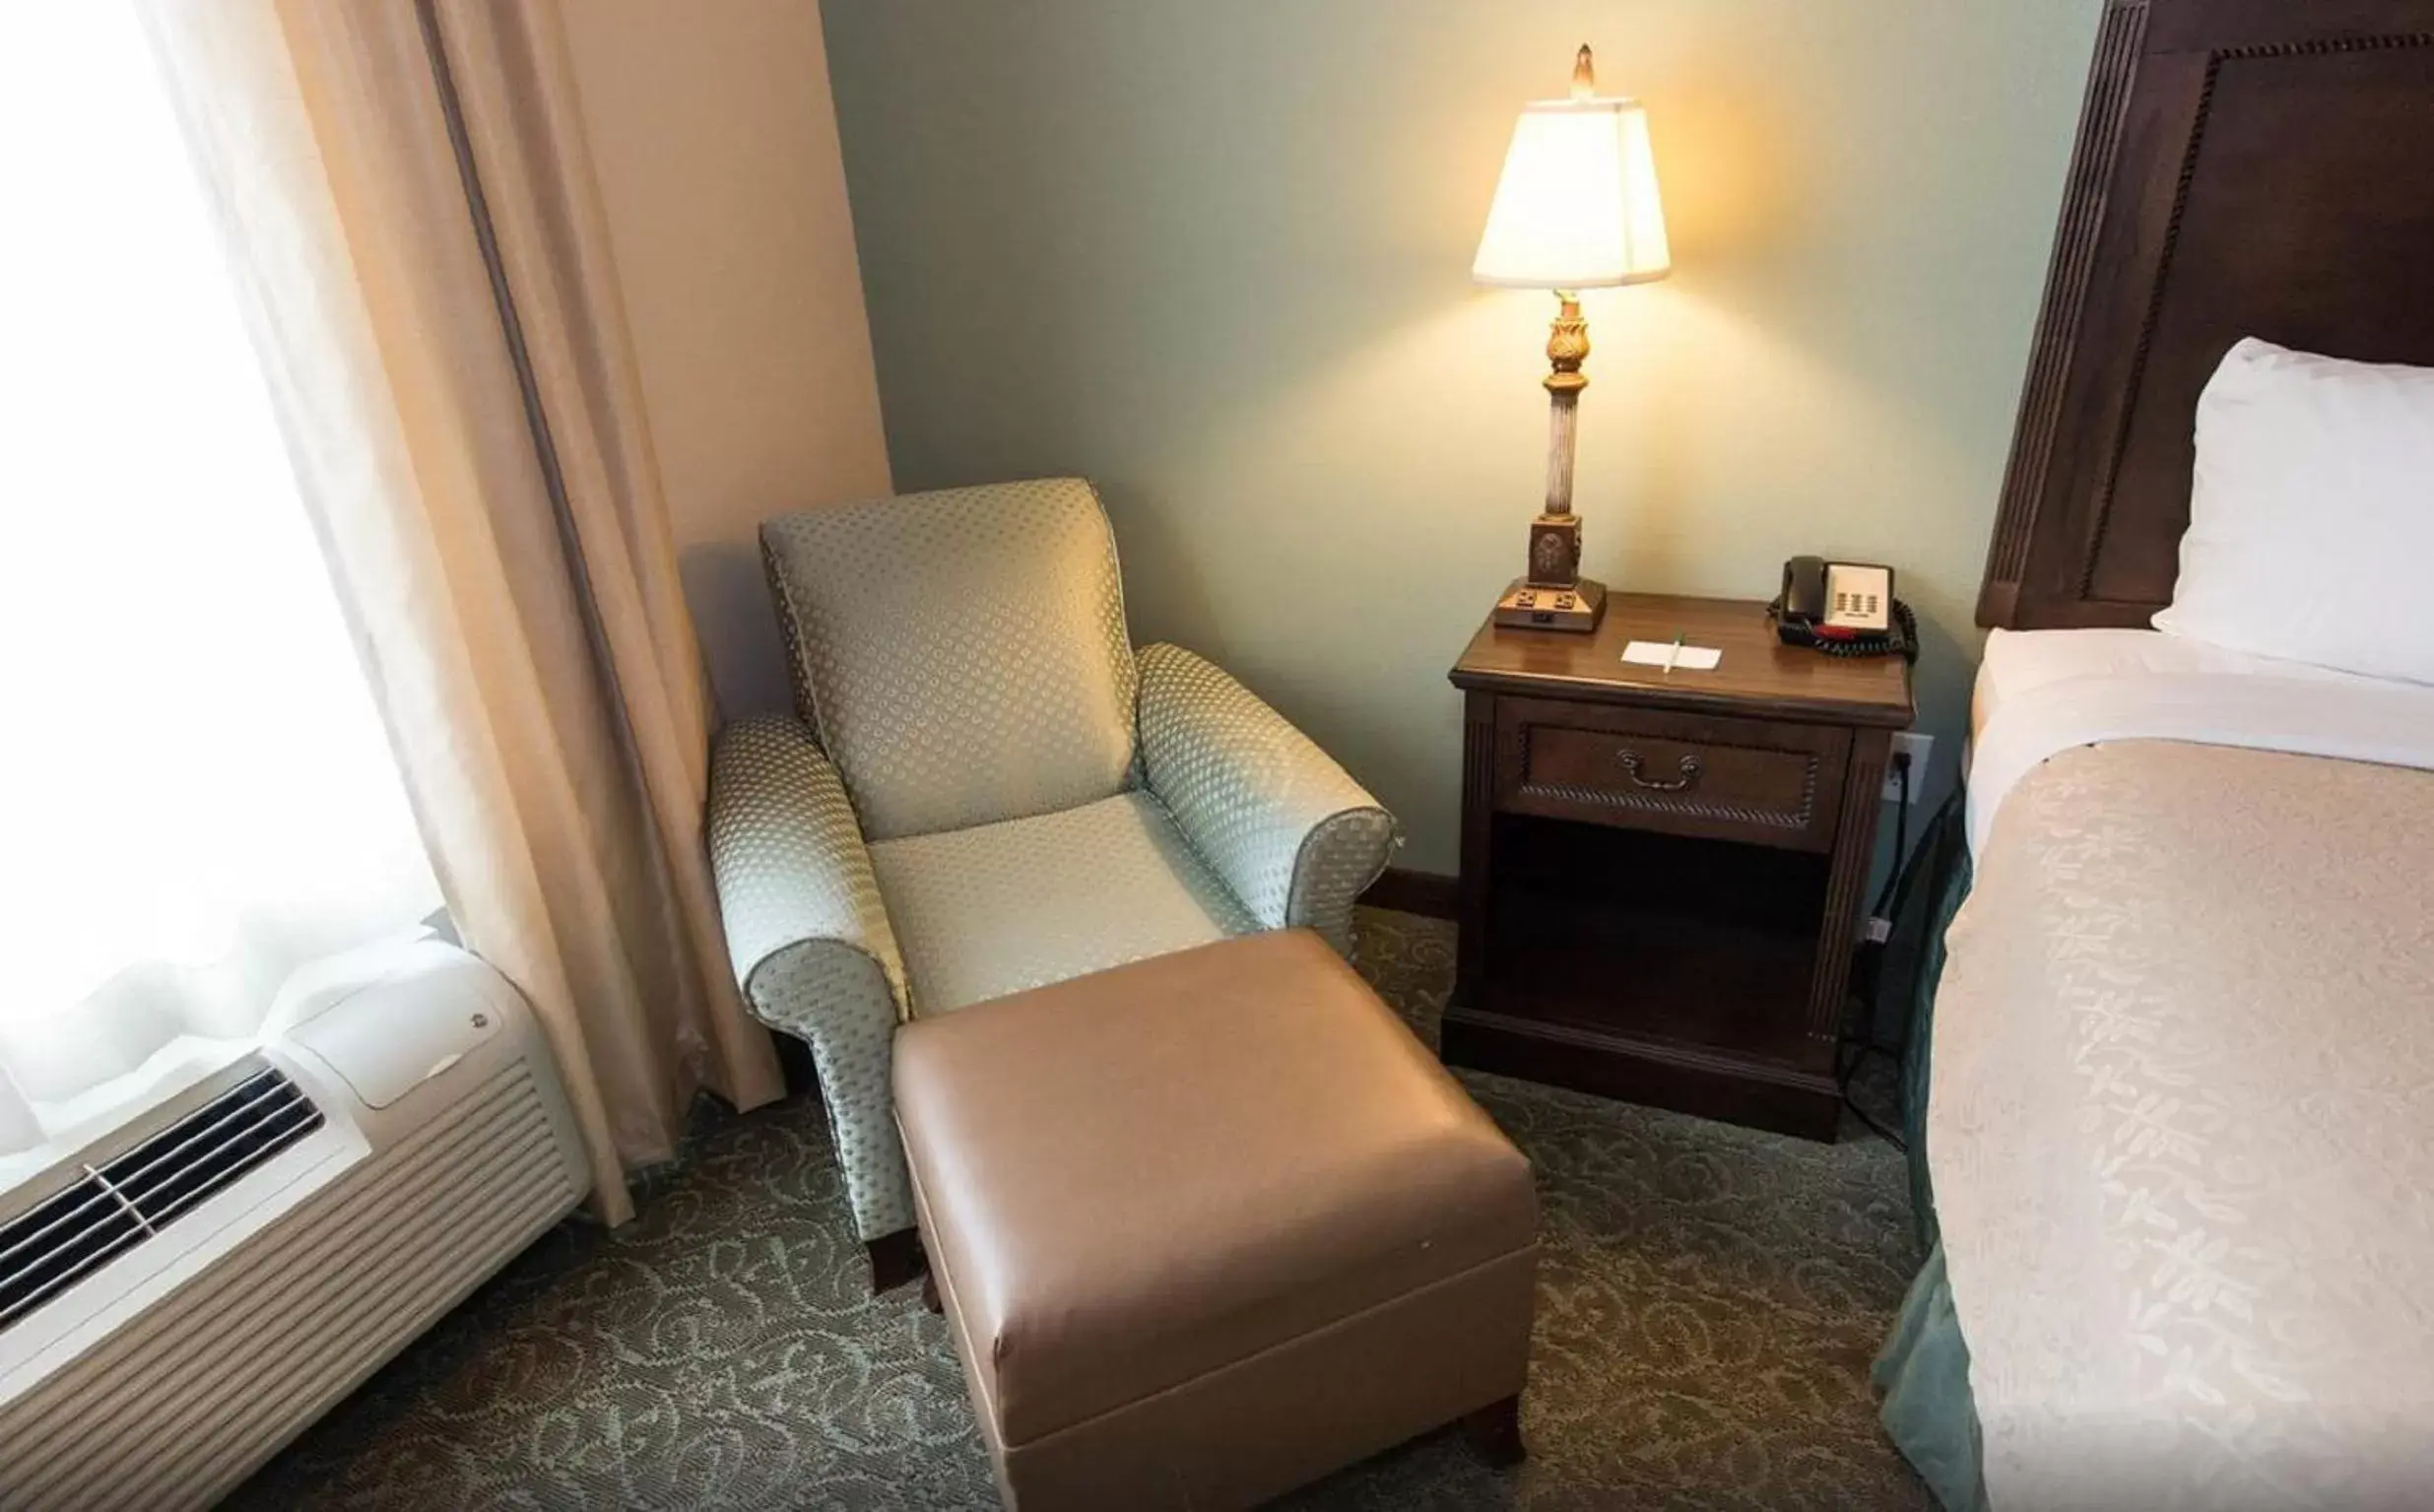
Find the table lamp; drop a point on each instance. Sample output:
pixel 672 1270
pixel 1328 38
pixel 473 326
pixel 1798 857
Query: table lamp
pixel 1575 208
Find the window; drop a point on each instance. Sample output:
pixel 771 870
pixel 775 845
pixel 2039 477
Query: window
pixel 196 794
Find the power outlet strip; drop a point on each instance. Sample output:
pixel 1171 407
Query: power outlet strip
pixel 1917 746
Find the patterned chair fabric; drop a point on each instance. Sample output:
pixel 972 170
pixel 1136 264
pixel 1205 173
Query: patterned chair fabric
pixel 1002 907
pixel 1290 831
pixel 810 942
pixel 987 790
pixel 961 655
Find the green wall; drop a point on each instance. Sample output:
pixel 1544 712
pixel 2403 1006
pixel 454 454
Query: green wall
pixel 1214 255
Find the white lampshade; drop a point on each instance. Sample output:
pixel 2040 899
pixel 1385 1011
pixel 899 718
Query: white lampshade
pixel 1577 207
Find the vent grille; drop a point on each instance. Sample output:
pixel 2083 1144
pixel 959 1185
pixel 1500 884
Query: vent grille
pixel 113 1207
pixel 174 1409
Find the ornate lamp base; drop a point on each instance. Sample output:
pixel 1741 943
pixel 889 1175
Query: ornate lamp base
pixel 1576 606
pixel 1555 596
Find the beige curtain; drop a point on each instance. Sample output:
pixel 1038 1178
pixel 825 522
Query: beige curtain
pixel 410 209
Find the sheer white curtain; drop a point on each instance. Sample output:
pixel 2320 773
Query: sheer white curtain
pixel 196 794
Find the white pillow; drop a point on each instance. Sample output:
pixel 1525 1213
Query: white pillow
pixel 2311 521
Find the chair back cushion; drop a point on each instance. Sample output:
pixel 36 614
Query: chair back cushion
pixel 961 654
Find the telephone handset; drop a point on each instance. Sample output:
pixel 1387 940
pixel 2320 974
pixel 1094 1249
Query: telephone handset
pixel 1843 608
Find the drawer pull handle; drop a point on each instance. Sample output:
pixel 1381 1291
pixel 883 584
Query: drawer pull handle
pixel 1689 774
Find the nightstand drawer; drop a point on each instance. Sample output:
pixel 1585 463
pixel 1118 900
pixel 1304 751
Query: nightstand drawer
pixel 1756 781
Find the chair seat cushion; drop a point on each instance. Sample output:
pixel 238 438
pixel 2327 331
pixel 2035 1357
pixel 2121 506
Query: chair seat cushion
pixel 1153 1175
pixel 983 912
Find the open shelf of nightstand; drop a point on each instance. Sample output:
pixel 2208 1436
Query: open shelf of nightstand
pixel 1654 936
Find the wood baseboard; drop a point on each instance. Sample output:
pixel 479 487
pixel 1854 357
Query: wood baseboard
pixel 1429 894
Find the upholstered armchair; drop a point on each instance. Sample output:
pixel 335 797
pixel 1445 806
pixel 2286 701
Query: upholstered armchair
pixel 985 788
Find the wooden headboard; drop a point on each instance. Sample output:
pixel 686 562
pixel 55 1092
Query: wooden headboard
pixel 2244 167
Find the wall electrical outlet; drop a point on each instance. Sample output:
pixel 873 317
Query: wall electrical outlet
pixel 1918 745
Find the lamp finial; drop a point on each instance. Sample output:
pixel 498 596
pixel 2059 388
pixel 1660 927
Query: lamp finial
pixel 1584 74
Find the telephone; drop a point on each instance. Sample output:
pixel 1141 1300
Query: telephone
pixel 1843 608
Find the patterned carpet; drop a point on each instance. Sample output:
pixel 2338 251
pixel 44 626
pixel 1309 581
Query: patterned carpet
pixel 1709 1301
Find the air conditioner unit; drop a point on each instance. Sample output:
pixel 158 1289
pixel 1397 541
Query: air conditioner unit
pixel 180 1300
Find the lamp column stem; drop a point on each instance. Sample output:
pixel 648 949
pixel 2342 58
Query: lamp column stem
pixel 1554 544
pixel 1562 444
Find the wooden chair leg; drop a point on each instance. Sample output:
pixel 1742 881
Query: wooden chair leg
pixel 895 1259
pixel 1494 1432
pixel 928 1294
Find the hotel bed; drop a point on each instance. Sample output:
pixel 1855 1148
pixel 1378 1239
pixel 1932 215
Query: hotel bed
pixel 2179 1113
pixel 2181 1118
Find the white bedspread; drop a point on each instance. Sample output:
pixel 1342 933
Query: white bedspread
pixel 2182 1117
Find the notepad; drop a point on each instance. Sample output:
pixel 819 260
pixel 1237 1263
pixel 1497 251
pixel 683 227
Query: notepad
pixel 1665 653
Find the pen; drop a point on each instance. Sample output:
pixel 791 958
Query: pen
pixel 1671 653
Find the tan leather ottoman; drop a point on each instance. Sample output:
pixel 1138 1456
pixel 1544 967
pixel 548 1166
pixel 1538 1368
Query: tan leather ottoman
pixel 1212 1224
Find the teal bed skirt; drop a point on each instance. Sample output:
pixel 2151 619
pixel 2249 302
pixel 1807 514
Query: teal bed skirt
pixel 1923 1371
pixel 1923 1374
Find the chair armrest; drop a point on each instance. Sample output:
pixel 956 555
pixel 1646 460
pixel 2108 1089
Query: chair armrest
pixel 811 944
pixel 790 865
pixel 1289 830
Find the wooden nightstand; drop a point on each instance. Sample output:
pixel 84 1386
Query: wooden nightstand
pixel 1660 874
